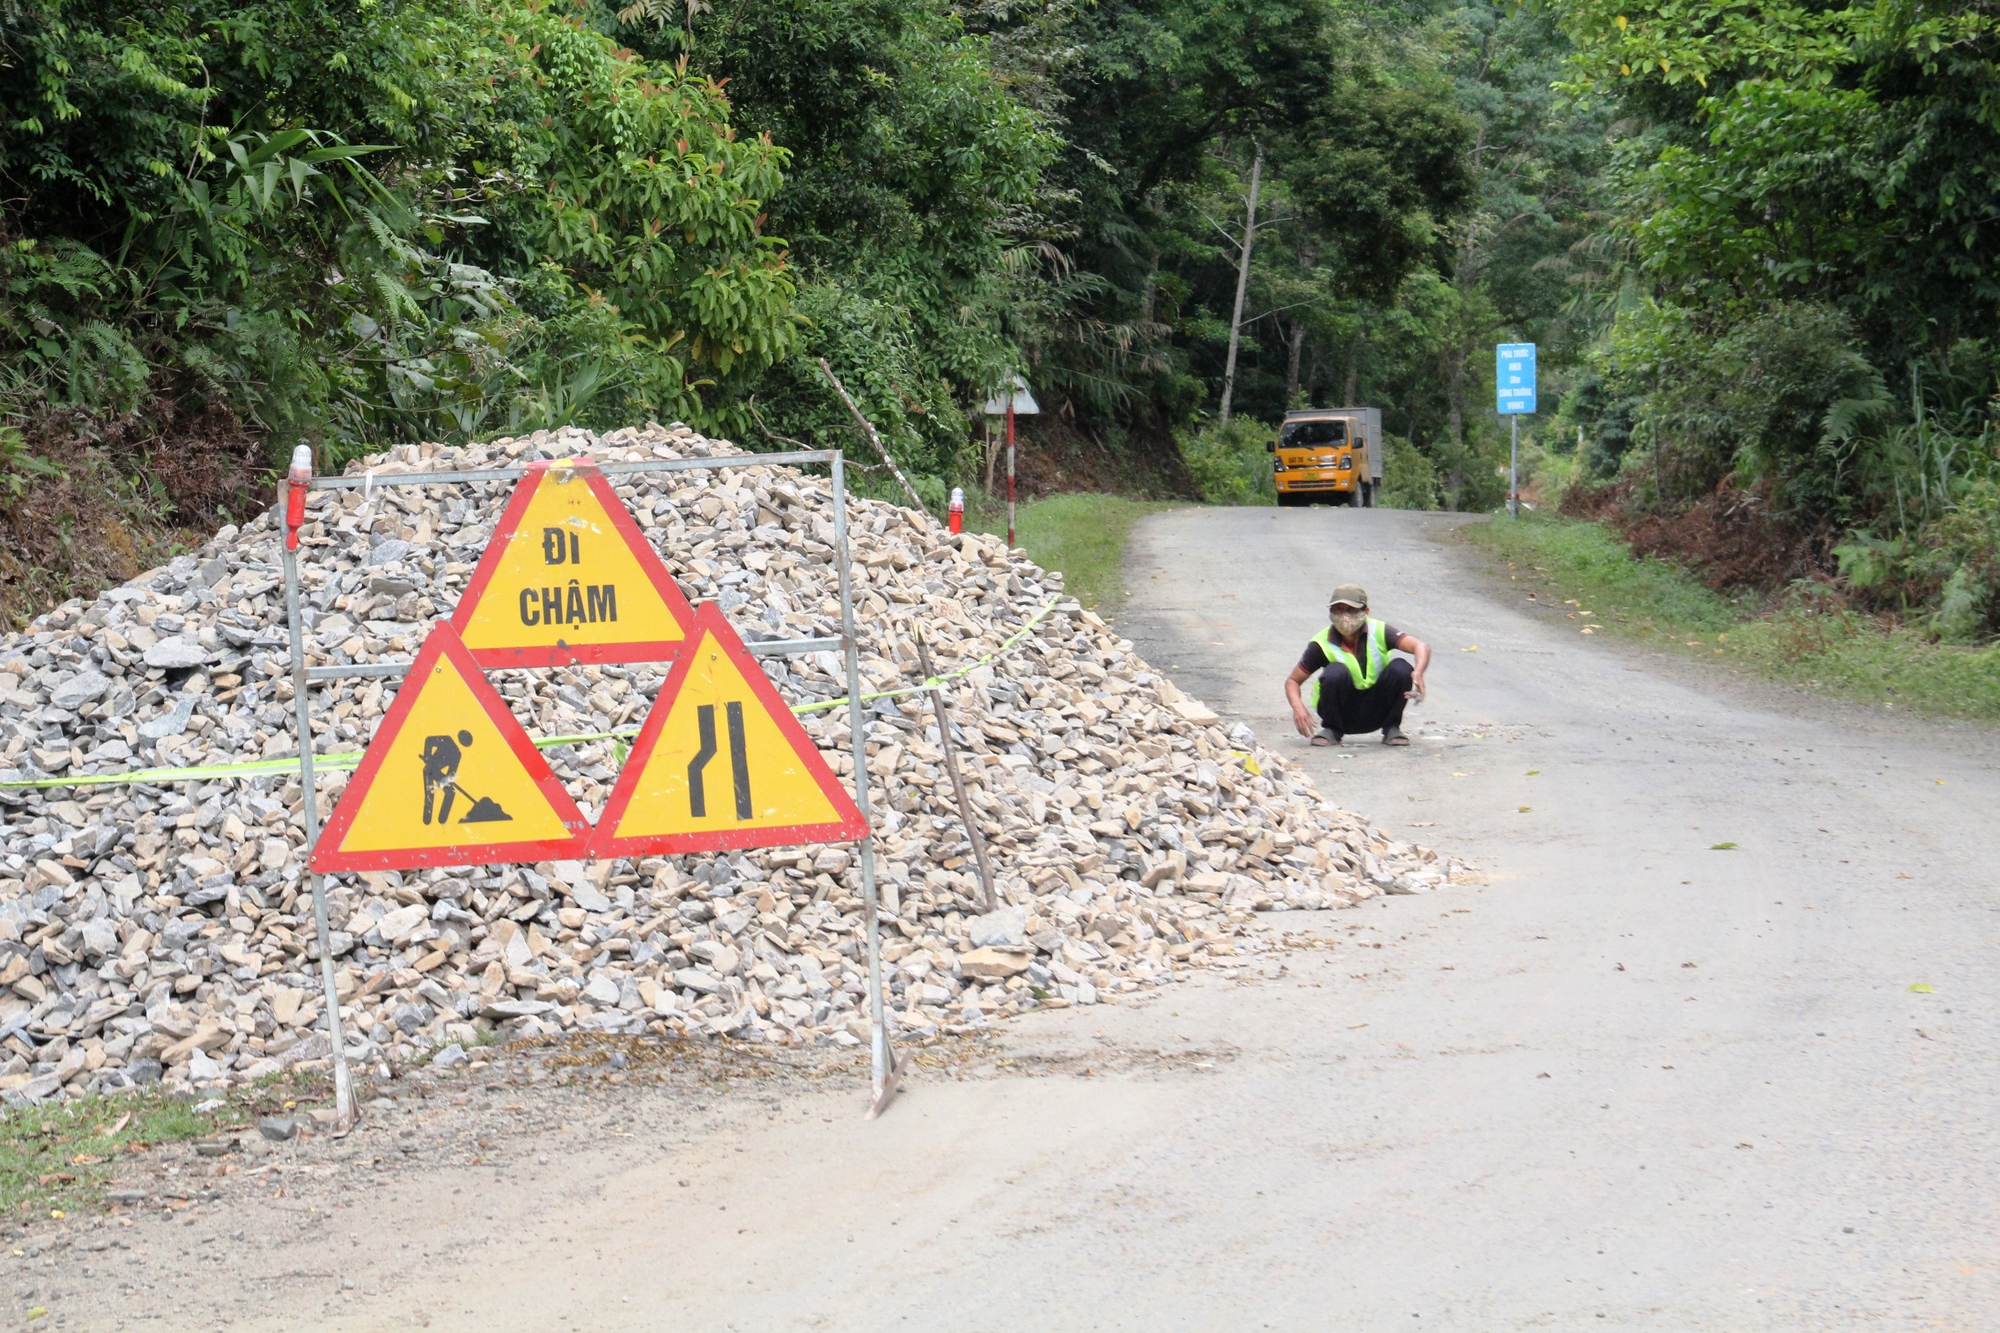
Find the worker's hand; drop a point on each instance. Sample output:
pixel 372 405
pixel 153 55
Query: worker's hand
pixel 1416 691
pixel 1304 722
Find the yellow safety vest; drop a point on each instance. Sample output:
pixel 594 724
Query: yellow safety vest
pixel 1377 635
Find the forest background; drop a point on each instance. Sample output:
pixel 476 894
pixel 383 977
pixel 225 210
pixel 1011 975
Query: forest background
pixel 1755 242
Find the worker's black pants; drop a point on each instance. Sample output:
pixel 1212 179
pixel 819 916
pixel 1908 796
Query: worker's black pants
pixel 1355 712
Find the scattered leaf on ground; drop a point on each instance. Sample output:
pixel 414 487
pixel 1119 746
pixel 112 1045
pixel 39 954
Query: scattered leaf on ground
pixel 1722 847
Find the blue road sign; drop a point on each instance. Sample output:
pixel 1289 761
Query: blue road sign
pixel 1514 378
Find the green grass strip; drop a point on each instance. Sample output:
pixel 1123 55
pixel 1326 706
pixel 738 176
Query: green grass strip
pixel 1082 534
pixel 1825 648
pixel 60 1155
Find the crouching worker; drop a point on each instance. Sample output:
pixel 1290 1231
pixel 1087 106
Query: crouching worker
pixel 1347 684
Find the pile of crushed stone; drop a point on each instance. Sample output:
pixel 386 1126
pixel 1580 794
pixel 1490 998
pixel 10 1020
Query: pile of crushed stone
pixel 163 930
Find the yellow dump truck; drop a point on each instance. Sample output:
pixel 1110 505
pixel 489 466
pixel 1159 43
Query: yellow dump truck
pixel 1330 455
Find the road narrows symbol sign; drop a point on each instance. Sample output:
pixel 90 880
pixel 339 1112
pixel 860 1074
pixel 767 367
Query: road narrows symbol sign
pixel 568 577
pixel 450 779
pixel 722 762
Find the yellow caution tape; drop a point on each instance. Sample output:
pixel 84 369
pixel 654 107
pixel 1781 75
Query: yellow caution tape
pixel 352 758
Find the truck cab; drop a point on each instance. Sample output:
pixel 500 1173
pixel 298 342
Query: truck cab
pixel 1328 455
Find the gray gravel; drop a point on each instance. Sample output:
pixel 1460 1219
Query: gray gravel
pixel 161 932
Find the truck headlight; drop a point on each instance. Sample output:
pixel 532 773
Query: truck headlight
pixel 1347 460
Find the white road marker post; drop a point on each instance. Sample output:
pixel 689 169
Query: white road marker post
pixel 1010 398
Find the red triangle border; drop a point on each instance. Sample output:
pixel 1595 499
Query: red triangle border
pixel 628 530
pixel 605 842
pixel 443 641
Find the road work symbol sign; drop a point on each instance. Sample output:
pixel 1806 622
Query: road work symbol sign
pixel 450 779
pixel 722 762
pixel 568 577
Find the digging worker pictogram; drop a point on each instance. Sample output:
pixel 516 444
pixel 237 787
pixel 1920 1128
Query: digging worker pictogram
pixel 441 759
pixel 1348 678
pixel 442 756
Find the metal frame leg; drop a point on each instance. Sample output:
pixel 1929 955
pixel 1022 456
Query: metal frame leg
pixel 884 1069
pixel 343 1081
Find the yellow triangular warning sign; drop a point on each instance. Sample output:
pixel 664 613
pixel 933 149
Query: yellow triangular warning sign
pixel 568 577
pixel 721 762
pixel 450 779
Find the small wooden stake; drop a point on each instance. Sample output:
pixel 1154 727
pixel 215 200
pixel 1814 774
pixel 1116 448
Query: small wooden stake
pixel 874 438
pixel 987 900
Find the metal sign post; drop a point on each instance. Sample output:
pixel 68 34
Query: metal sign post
pixel 1514 392
pixel 1010 398
pixel 294 510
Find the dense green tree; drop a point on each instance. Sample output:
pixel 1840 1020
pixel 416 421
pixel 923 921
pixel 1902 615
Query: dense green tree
pixel 1804 235
pixel 364 224
pixel 912 173
pixel 1364 164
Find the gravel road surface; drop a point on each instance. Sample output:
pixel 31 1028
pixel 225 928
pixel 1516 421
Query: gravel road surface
pixel 1627 1081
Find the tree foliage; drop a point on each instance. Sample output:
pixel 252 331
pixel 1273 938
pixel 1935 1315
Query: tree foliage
pixel 1754 240
pixel 363 224
pixel 1803 204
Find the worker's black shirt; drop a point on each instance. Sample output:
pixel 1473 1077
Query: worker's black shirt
pixel 1315 659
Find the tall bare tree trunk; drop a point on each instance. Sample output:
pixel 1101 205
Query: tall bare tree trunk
pixel 1454 390
pixel 1242 283
pixel 1292 363
pixel 1353 374
pixel 1454 395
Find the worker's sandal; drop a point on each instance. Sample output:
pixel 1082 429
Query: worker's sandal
pixel 1393 735
pixel 1327 736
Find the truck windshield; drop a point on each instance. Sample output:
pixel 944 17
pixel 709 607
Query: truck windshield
pixel 1305 434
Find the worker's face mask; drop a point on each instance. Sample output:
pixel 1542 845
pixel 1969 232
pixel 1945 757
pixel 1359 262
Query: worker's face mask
pixel 1348 623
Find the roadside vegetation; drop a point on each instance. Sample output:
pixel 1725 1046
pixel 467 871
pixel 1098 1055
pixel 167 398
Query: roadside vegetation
pixel 1799 638
pixel 1754 246
pixel 231 229
pixel 60 1156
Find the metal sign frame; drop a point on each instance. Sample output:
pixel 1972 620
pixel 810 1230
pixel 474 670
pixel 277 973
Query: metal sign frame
pixel 884 1068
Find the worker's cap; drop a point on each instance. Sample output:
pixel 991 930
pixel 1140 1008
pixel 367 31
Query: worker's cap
pixel 1350 594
